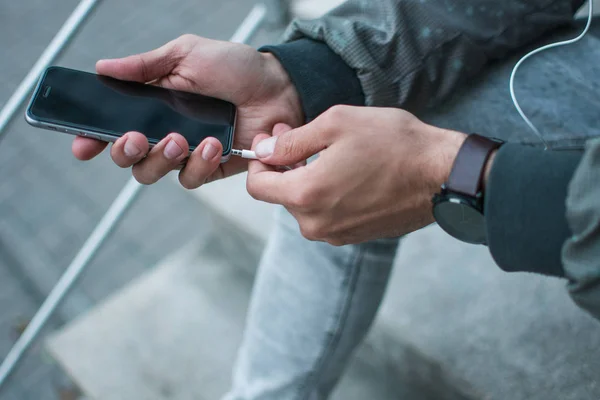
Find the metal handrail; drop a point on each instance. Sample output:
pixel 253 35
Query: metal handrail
pixel 58 43
pixel 120 205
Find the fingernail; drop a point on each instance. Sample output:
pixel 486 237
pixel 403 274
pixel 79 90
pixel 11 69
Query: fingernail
pixel 266 147
pixel 209 152
pixel 130 149
pixel 172 150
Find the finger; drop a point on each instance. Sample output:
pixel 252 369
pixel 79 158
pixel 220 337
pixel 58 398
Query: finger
pixel 163 158
pixel 278 130
pixel 266 184
pixel 203 162
pixel 129 149
pixel 85 148
pixel 281 128
pixel 294 146
pixel 144 67
pixel 300 164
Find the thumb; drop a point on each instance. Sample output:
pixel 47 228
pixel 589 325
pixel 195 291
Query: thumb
pixel 291 147
pixel 145 67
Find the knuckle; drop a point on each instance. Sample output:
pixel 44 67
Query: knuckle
pixel 308 234
pixel 121 163
pixel 188 183
pixel 182 45
pixel 315 194
pixel 119 160
pixel 332 118
pixel 339 110
pixel 184 42
pixel 336 113
pixel 252 188
pixel 142 178
pixel 337 242
pixel 312 230
pixel 303 198
pixel 186 37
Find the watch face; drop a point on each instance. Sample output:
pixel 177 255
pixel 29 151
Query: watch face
pixel 461 220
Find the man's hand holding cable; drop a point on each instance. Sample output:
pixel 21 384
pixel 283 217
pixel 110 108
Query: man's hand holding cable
pixel 375 176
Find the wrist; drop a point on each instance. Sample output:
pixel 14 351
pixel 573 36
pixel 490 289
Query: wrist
pixel 459 206
pixel 441 151
pixel 284 88
pixel 445 147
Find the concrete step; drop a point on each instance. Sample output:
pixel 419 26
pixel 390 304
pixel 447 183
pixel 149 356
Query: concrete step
pixel 173 334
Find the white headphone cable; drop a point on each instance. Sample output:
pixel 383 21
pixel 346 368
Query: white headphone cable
pixel 536 51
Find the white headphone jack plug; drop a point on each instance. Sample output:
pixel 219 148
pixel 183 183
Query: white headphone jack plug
pixel 248 154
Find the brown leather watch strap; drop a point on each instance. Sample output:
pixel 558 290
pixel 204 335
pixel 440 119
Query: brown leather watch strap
pixel 469 166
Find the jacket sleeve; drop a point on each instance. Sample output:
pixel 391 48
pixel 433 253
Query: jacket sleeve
pixel 322 79
pixel 531 228
pixel 414 53
pixel 581 252
pixel 525 208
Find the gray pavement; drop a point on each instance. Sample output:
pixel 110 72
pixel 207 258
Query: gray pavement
pixel 50 202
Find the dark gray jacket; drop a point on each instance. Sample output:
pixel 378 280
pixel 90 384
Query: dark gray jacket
pixel 415 53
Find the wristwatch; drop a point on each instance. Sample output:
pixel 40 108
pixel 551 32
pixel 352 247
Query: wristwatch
pixel 458 208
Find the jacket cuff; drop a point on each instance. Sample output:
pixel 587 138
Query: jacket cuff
pixel 525 208
pixel 321 77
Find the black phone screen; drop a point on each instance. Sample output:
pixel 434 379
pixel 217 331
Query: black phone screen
pixel 110 106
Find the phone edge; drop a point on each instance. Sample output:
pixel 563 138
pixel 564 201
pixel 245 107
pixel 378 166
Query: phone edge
pixel 31 120
pixel 227 156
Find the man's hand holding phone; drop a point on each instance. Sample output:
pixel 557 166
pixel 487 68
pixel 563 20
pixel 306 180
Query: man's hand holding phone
pixel 255 82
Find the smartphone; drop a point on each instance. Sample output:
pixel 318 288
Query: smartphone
pixel 103 108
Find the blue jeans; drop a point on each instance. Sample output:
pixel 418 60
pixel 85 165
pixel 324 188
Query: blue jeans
pixel 313 303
